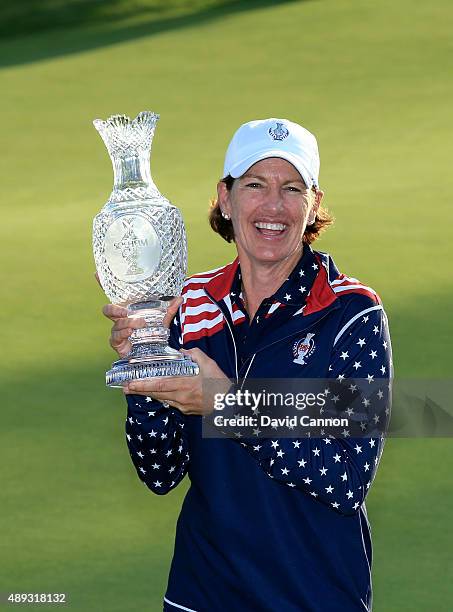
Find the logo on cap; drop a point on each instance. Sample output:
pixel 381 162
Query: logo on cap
pixel 279 132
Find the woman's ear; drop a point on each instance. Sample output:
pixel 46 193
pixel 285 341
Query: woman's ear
pixel 223 198
pixel 315 206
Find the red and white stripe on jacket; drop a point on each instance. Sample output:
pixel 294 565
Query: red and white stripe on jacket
pixel 200 316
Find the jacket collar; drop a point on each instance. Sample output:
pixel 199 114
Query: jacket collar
pixel 220 285
pixel 307 287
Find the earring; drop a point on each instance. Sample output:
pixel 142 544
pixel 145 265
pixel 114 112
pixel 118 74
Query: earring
pixel 225 216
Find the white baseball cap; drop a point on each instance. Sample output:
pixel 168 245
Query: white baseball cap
pixel 257 140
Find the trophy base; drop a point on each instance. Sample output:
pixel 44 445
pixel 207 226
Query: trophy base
pixel 149 361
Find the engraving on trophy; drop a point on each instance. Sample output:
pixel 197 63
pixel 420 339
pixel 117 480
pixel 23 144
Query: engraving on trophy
pixel 132 248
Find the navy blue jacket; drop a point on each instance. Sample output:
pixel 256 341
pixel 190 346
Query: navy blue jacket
pixel 269 525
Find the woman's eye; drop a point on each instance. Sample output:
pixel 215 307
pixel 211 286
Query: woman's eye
pixel 292 188
pixel 254 185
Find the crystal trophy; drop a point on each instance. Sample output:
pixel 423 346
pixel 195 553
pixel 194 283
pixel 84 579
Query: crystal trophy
pixel 140 251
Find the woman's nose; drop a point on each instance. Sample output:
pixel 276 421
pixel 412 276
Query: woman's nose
pixel 273 200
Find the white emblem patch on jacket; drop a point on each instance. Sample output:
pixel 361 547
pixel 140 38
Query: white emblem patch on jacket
pixel 303 348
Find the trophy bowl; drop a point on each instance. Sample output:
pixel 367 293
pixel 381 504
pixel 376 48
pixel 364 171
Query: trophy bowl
pixel 140 250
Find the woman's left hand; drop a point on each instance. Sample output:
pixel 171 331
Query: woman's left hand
pixel 190 394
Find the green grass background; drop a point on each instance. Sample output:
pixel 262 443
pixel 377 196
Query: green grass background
pixel 373 81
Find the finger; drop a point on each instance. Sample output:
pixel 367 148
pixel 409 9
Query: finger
pixel 119 336
pixel 114 312
pixel 128 323
pixel 120 345
pixel 159 384
pixel 174 304
pixel 172 309
pixel 197 355
pixel 209 370
pixel 122 349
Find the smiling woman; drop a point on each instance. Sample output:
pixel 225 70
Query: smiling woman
pixel 269 208
pixel 224 227
pixel 267 524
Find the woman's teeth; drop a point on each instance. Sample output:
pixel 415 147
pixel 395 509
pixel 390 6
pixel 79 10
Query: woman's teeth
pixel 270 226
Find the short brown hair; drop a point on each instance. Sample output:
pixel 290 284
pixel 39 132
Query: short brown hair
pixel 224 227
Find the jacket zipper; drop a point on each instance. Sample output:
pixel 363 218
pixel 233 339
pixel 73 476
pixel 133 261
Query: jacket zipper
pixel 234 345
pixel 264 347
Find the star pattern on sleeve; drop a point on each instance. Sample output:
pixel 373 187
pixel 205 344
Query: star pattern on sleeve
pixel 156 437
